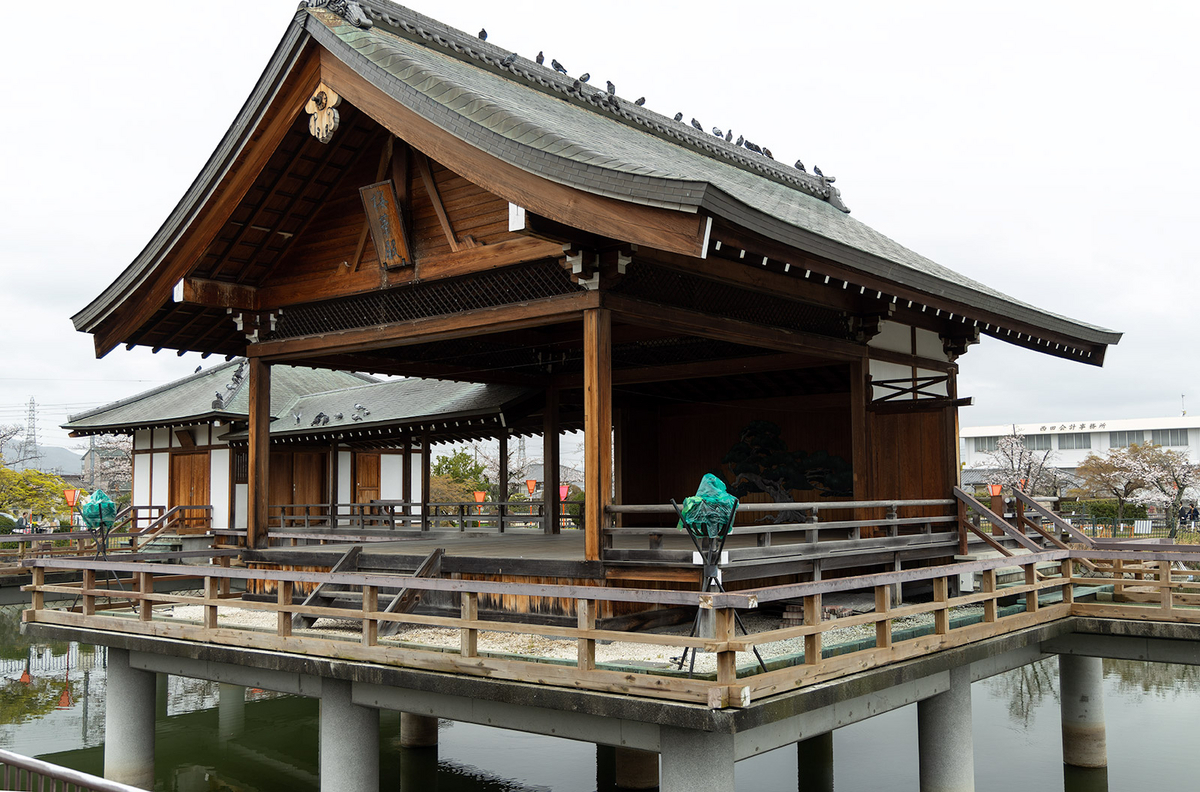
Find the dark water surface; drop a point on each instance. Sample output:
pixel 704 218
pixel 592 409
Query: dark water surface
pixel 1153 714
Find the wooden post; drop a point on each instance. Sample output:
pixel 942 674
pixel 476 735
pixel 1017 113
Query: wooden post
pixel 370 626
pixel 283 596
pixel 260 452
pixel 883 629
pixel 502 491
pixel 941 616
pixel 426 463
pixel 1066 570
pixel 211 585
pixel 962 528
pixel 39 580
pixel 726 660
pixel 597 422
pixel 550 516
pixel 988 584
pixel 1164 579
pixel 469 639
pixel 812 618
pixel 585 612
pixel 333 482
pixel 89 599
pixel 406 483
pixel 1031 597
pixel 224 587
pixel 859 455
pixel 145 586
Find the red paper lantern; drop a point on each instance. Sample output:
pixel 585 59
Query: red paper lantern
pixel 71 496
pixel 531 485
pixel 563 489
pixel 994 489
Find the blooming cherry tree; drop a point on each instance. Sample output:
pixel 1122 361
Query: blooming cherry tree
pixel 1167 475
pixel 1015 462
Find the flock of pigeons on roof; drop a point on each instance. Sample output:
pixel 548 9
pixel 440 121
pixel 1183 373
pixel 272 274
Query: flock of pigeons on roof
pixel 611 98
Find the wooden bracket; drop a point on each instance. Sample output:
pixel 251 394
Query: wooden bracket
pixel 322 111
pixel 252 323
pixel 958 344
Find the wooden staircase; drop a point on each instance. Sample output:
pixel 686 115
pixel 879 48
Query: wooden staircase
pixel 402 599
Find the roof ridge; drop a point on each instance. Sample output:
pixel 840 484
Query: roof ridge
pixel 411 24
pixel 153 391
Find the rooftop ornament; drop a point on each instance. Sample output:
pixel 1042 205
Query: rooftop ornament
pixel 348 10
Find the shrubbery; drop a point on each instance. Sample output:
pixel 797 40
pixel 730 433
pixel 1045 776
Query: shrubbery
pixel 1103 509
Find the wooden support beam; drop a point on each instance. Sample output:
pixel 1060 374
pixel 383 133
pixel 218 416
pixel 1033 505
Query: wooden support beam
pixel 426 464
pixel 859 443
pixel 435 198
pixel 439 328
pixel 503 489
pixel 597 420
pixel 259 453
pixel 550 463
pixel 406 476
pixel 334 462
pixel 385 157
pixel 220 294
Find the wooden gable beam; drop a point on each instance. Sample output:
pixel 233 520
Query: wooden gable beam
pixel 219 294
pixel 665 229
pixel 435 198
pixel 140 305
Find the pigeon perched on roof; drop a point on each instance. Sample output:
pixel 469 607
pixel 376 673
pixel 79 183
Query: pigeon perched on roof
pixel 817 170
pixel 316 421
pixel 558 67
pixel 729 136
pixel 509 59
pixel 197 371
pixel 698 125
pixel 324 419
pixel 740 140
pixel 297 417
pixel 482 34
pixel 585 77
pixel 576 86
pixel 717 131
pixel 679 116
pixel 612 89
pixel 800 166
pixel 541 58
pixel 338 416
pixel 219 396
pixel 641 100
pixel 767 153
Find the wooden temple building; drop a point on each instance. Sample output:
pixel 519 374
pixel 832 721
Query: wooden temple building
pixel 400 198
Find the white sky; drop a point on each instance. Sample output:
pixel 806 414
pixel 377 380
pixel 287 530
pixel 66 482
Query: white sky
pixel 1042 148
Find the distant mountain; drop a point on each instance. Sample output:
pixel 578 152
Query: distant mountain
pixel 53 459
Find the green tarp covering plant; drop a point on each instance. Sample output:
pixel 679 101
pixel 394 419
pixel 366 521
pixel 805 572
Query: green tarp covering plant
pixel 710 511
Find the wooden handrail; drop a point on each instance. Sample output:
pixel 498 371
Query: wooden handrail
pixel 1058 522
pixel 995 519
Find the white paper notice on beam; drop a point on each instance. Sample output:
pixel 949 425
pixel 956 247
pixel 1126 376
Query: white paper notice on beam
pixel 516 217
pixel 698 559
pixel 177 292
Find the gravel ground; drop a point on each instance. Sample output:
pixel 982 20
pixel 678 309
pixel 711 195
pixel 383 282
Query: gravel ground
pixel 537 646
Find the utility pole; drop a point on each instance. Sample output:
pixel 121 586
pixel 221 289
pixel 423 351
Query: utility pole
pixel 30 453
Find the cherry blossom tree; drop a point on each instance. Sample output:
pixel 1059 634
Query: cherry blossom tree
pixel 1013 462
pixel 1167 475
pixel 1111 475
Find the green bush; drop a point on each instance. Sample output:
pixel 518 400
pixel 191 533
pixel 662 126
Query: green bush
pixel 1103 509
pixel 6 525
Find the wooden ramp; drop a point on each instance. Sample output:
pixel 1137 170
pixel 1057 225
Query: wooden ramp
pixel 403 599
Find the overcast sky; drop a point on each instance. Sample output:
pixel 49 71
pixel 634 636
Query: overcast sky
pixel 1046 149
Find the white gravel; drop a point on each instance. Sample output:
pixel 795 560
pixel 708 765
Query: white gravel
pixel 539 647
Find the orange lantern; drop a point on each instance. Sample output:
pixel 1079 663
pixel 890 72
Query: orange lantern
pixel 994 489
pixel 531 485
pixel 71 496
pixel 1024 482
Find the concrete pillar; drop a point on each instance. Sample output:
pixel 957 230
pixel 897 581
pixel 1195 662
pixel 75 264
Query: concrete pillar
pixel 1085 779
pixel 696 761
pixel 418 731
pixel 606 768
pixel 128 722
pixel 349 741
pixel 1082 681
pixel 946 757
pixel 160 696
pixel 814 764
pixel 419 769
pixel 231 712
pixel 636 769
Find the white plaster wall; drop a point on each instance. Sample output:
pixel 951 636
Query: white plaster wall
pixel 415 468
pixel 241 495
pixel 162 438
pixel 218 487
pixel 141 480
pixel 391 476
pixel 161 480
pixel 937 390
pixel 929 345
pixel 141 439
pixel 894 337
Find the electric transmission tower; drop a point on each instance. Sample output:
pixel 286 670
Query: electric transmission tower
pixel 30 453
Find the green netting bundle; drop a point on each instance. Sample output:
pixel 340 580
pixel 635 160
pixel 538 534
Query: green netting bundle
pixel 710 511
pixel 98 510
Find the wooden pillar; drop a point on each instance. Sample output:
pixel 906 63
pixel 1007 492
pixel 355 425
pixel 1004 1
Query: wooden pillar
pixel 333 482
pixel 502 486
pixel 406 476
pixel 550 464
pixel 426 463
pixel 260 452
pixel 953 452
pixel 860 394
pixel 597 423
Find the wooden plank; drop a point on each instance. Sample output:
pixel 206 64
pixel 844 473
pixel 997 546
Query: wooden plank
pixel 387 229
pixel 259 452
pixel 536 313
pixel 585 613
pixel 406 599
pixel 347 563
pixel 664 229
pixel 482 258
pixel 597 419
pixel 220 294
pixel 431 190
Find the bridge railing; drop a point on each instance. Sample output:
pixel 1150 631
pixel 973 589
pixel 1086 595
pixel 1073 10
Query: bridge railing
pixel 818 644
pixel 24 772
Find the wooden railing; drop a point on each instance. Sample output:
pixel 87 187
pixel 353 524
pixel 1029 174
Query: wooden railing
pixel 1145 585
pixel 25 772
pixel 400 515
pixel 133 528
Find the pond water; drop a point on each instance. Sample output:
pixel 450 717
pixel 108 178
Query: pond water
pixel 1153 716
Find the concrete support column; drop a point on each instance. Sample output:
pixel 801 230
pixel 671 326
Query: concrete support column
pixel 1083 736
pixel 231 712
pixel 636 769
pixel 947 759
pixel 696 761
pixel 814 764
pixel 160 696
pixel 418 731
pixel 349 741
pixel 129 722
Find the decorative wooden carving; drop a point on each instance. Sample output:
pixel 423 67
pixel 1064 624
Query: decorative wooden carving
pixel 387 228
pixel 347 9
pixel 323 114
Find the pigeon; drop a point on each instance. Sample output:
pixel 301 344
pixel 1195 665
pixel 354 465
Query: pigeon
pixel 297 417
pixel 679 116
pixel 767 153
pixel 800 166
pixel 612 89
pixel 740 141
pixel 324 420
pixel 219 396
pixel 729 136
pixel 698 125
pixel 482 34
pixel 338 416
pixel 717 131
pixel 356 417
pixel 558 67
pixel 576 87
pixel 585 77
pixel 641 100
pixel 509 59
pixel 319 417
pixel 817 170
pixel 359 407
pixel 197 371
pixel 231 386
pixel 540 58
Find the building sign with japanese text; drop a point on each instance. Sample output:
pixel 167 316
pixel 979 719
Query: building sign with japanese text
pixel 387 230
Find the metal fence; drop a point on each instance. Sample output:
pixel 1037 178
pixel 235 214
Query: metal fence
pixel 18 772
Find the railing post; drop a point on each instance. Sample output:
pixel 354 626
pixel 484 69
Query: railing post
pixel 224 586
pixel 1164 579
pixel 370 604
pixel 1066 571
pixel 89 599
pixel 941 595
pixel 283 597
pixel 39 580
pixel 883 628
pixel 585 611
pixel 812 618
pixel 988 586
pixel 462 514
pixel 962 528
pixel 211 587
pixel 727 658
pixel 469 639
pixel 1031 597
